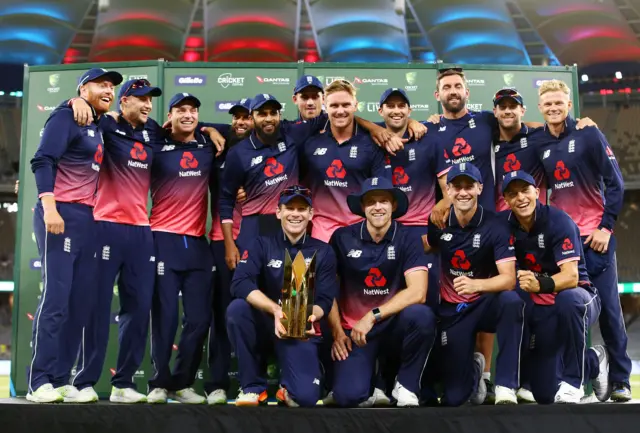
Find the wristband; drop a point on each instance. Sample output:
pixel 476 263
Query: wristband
pixel 547 285
pixel 376 314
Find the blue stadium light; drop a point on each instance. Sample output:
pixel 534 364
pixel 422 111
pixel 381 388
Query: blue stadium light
pixel 38 36
pixel 45 10
pixel 466 39
pixel 458 13
pixel 365 44
pixel 429 57
pixel 1 93
pixel 357 19
pixel 19 93
pixel 12 94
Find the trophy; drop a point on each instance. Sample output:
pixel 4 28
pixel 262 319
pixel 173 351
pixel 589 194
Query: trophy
pixel 298 294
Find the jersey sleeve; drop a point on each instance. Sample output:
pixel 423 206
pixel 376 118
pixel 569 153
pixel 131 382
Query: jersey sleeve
pixel 414 257
pixel 245 276
pixel 433 234
pixel 608 167
pixel 566 240
pixel 107 125
pixel 326 280
pixel 503 251
pixel 443 162
pixel 379 165
pixel 334 243
pixel 222 128
pixel 489 118
pixel 301 131
pixel 57 135
pixel 232 180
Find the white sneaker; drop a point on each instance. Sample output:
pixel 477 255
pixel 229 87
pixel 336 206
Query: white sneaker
pixel 187 396
pixel 126 395
pixel 251 398
pixel 45 394
pixel 481 393
pixel 71 394
pixel 602 387
pixel 329 400
pixel 505 395
pixel 404 397
pixel 218 396
pixel 568 394
pixel 157 396
pixel 525 396
pixel 380 398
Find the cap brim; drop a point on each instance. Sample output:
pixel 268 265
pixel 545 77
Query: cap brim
pixel 114 76
pixel 287 199
pixel 144 91
pixel 395 92
pixel 298 90
pixel 354 202
pixel 268 101
pixel 500 98
pixel 473 178
pixel 509 181
pixel 186 98
pixel 238 107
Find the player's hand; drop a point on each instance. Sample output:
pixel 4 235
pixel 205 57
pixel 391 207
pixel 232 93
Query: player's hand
pixel 341 347
pixel 440 214
pixel 395 144
pixel 312 319
pixel 231 256
pixel 584 122
pixel 279 328
pixel 598 240
pixel 216 137
pixel 528 281
pixel 16 187
pixel 466 286
pixel 53 222
pixel 241 195
pixel 361 329
pixel 114 115
pixel 434 118
pixel 167 125
pixel 82 112
pixel 416 129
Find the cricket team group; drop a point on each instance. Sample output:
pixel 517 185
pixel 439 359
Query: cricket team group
pixel 429 241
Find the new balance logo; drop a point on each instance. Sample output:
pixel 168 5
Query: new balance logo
pixel 547 154
pixel 106 252
pixel 255 161
pixel 67 245
pixel 120 132
pixel 321 151
pixel 91 133
pixel 354 253
pixel 167 147
pixel 442 129
pixel 274 263
pixel 446 237
pixel 152 258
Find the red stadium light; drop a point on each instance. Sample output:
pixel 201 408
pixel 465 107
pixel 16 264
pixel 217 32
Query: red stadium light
pixel 137 16
pixel 191 56
pixel 311 58
pixel 273 46
pixel 246 19
pixel 196 25
pixel 603 91
pixel 194 42
pixel 128 41
pixel 310 43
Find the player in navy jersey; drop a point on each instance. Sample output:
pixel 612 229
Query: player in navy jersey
pixel 381 305
pixel 308 95
pixel 476 287
pixel 587 184
pixel 179 184
pixel 219 349
pixel 66 167
pixel 552 270
pixel 255 316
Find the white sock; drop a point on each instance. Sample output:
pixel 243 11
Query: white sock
pixel 486 375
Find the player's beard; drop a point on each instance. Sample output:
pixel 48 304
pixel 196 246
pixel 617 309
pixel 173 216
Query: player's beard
pixel 268 138
pixel 455 109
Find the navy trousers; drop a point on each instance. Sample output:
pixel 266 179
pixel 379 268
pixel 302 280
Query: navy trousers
pixel 68 272
pixel 184 267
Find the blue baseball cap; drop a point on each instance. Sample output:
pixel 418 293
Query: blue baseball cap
pixel 244 103
pixel 262 98
pixel 307 81
pixel 139 87
pixel 95 73
pixel 354 201
pixel 508 92
pixel 179 97
pixel 294 191
pixel 464 169
pixel 517 175
pixel 393 91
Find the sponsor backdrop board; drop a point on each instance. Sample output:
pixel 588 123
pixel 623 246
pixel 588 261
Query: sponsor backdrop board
pixel 217 87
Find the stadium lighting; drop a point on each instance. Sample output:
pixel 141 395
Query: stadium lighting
pixel 1 93
pixel 585 77
pixel 619 75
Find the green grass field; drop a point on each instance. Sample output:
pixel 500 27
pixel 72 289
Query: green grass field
pixel 635 386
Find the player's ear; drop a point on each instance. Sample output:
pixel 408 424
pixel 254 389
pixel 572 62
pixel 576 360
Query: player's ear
pixel 310 213
pixel 480 186
pixel 279 212
pixel 537 193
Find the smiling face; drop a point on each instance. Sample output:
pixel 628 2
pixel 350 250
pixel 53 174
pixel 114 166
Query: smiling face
pixel 463 192
pixel 309 102
pixel 136 109
pixel 294 216
pixel 521 198
pixel 554 106
pixel 241 123
pixel 452 93
pixel 395 111
pixel 509 113
pixel 341 108
pixel 378 207
pixel 99 93
pixel 266 121
pixel 184 117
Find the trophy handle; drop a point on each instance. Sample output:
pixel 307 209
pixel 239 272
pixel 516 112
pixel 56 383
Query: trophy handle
pixel 311 287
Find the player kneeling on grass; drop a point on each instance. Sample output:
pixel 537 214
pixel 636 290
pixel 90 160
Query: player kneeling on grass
pixel 552 269
pixel 255 314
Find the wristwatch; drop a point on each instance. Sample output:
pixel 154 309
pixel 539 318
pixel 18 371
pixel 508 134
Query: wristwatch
pixel 377 314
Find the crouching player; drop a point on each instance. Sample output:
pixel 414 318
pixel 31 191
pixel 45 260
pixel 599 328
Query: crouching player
pixel 255 314
pixel 566 304
pixel 477 279
pixel 381 306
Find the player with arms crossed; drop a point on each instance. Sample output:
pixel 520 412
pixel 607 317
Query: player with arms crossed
pixel 255 315
pixel 552 270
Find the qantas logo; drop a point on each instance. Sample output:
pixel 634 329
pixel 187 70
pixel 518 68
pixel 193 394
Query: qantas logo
pixel 511 163
pixel 531 263
pixel 272 167
pixel 460 261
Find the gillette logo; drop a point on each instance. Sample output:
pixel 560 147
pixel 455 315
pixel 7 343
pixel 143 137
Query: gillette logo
pixel 191 80
pixel 225 105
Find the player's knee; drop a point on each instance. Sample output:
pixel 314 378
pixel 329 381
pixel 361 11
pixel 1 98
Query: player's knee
pixel 569 300
pixel 351 394
pixel 419 317
pixel 306 396
pixel 238 311
pixel 456 397
pixel 511 301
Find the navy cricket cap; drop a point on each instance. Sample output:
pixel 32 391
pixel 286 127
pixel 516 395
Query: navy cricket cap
pixel 95 73
pixel 307 81
pixel 294 191
pixel 517 175
pixel 263 98
pixel 354 201
pixel 179 97
pixel 393 91
pixel 508 92
pixel 139 87
pixel 244 103
pixel 464 169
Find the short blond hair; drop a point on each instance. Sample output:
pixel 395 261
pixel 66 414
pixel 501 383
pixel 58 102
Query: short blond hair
pixel 340 86
pixel 554 86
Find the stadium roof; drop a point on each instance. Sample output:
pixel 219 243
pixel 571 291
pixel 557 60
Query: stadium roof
pixel 587 32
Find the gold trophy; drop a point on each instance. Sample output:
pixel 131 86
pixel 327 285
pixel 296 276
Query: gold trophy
pixel 298 294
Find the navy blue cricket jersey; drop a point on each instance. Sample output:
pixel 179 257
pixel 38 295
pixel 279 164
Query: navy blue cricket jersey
pixel 584 176
pixel 553 240
pixel 520 153
pixel 472 251
pixel 261 268
pixel 372 273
